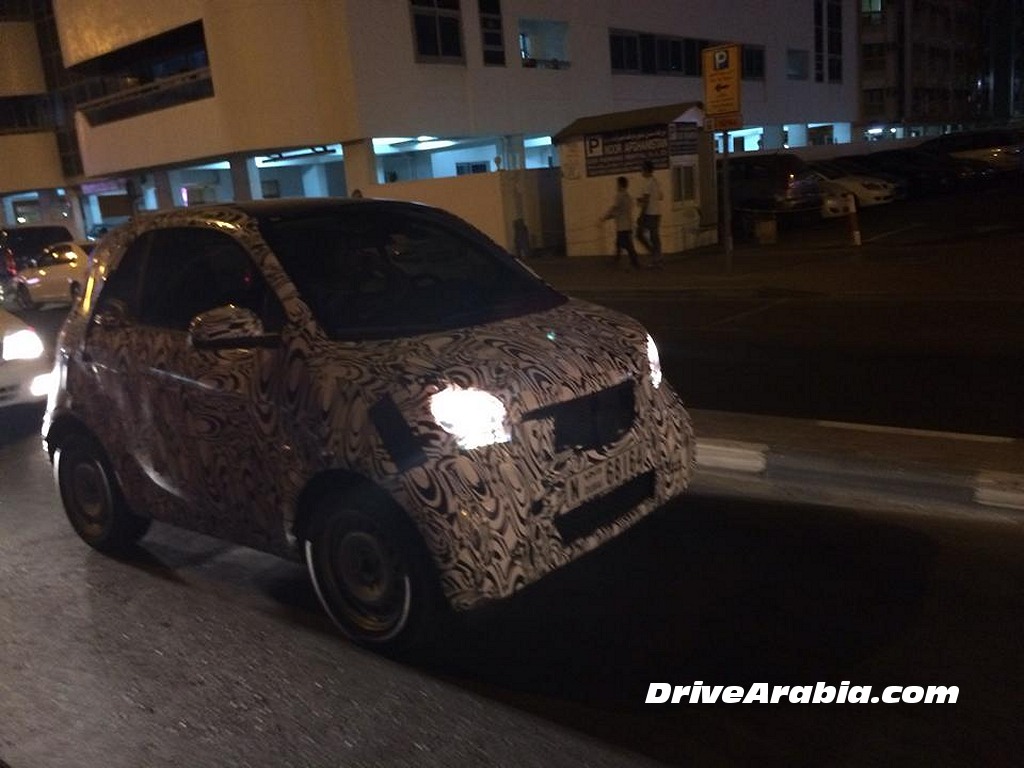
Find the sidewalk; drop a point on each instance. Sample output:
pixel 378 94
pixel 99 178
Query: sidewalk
pixel 967 471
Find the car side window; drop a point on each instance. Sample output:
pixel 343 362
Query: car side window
pixel 190 270
pixel 124 282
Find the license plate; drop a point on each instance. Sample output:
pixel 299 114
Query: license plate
pixel 604 477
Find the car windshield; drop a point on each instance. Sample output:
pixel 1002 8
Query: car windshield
pixel 379 271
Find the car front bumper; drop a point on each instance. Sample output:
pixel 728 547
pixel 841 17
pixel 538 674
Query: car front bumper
pixel 501 517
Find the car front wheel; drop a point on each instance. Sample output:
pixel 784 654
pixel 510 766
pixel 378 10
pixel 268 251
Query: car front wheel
pixel 371 572
pixel 92 499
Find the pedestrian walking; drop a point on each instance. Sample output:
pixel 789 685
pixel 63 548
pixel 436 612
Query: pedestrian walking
pixel 648 228
pixel 622 212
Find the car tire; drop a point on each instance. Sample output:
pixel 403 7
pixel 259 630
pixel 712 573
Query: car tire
pixel 74 290
pixel 25 298
pixel 92 498
pixel 372 573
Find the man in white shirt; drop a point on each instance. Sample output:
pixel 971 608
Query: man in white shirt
pixel 649 224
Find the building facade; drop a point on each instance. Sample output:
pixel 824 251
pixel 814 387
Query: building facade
pixel 109 106
pixel 930 66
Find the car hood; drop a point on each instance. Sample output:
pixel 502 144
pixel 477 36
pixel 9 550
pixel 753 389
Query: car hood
pixel 529 361
pixel 9 323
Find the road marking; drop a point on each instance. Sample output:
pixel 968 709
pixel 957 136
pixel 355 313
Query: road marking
pixel 731 455
pixel 999 489
pixel 893 232
pixel 747 313
pixel 916 432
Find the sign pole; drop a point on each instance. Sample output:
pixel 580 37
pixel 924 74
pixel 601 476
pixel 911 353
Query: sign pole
pixel 721 69
pixel 726 202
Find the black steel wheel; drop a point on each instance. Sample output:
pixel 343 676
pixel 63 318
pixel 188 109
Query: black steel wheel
pixel 92 500
pixel 371 572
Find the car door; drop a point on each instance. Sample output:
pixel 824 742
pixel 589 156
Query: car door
pixel 214 438
pixel 205 436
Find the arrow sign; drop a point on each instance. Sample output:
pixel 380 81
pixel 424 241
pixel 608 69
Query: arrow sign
pixel 721 79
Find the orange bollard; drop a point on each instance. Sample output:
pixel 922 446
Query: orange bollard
pixel 854 222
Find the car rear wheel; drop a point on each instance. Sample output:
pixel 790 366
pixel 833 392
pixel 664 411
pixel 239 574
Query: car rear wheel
pixel 92 500
pixel 371 572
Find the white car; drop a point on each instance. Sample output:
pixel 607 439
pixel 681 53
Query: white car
pixel 56 276
pixel 836 201
pixel 24 369
pixel 868 190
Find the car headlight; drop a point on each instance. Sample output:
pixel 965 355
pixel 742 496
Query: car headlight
pixel 22 345
pixel 474 417
pixel 655 361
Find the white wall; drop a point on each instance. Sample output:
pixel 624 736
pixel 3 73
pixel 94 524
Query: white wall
pixel 460 100
pixel 21 69
pixel 30 161
pixel 490 201
pixel 305 72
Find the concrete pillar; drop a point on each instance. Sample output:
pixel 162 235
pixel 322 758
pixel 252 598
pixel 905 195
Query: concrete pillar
pixel 314 180
pixel 76 217
pixel 513 152
pixel 241 179
pixel 360 164
pixel 164 195
pixel 50 208
pixel 773 137
pixel 797 134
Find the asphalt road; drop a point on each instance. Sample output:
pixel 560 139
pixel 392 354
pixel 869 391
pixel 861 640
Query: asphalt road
pixel 193 652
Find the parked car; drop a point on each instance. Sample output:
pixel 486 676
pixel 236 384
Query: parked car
pixel 778 182
pixel 836 201
pixel 868 190
pixel 1000 149
pixel 55 277
pixel 21 245
pixel 24 371
pixel 925 174
pixel 372 386
pixel 857 165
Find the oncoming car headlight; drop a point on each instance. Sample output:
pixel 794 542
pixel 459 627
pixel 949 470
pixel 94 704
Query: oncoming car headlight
pixel 655 361
pixel 22 345
pixel 474 417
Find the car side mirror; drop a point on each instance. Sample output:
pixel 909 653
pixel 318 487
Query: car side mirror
pixel 112 314
pixel 229 327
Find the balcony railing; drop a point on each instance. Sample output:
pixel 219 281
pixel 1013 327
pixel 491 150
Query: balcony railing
pixel 531 63
pixel 166 92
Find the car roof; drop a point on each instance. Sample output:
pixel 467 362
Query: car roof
pixel 284 207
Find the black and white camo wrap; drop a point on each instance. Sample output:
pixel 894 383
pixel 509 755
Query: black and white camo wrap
pixel 227 445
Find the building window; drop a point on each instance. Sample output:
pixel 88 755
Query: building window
pixel 642 53
pixel 492 36
pixel 871 12
pixel 437 27
pixel 684 183
pixel 543 44
pixel 835 41
pixel 798 64
pixel 819 41
pixel 465 169
pixel 625 51
pixel 752 62
pixel 873 57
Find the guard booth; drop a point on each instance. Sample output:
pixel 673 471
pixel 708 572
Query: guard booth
pixel 594 151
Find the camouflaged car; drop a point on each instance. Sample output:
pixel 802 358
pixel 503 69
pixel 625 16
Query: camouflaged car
pixel 372 386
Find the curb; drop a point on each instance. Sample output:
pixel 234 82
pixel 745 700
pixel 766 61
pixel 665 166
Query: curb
pixel 973 487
